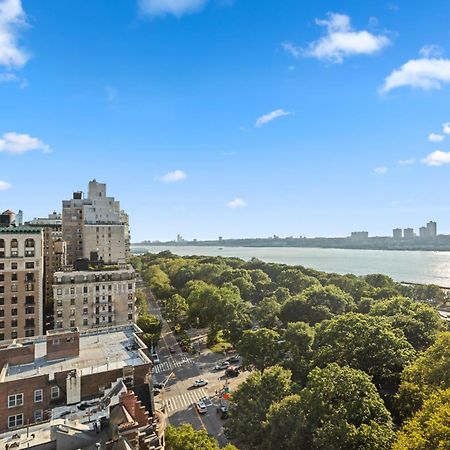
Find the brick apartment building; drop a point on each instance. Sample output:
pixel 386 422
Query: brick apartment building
pixel 65 367
pixel 21 282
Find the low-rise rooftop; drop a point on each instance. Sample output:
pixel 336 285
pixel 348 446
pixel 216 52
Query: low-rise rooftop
pixel 100 351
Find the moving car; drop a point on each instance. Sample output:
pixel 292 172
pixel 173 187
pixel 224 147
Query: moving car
pixel 200 382
pixel 201 408
pixel 222 365
pixel 155 357
pixel 223 412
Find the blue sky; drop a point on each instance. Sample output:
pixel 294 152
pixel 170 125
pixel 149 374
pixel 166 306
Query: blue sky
pixel 233 118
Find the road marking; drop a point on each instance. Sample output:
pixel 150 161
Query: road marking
pixel 182 401
pixel 172 363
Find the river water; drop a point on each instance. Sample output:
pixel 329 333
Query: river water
pixel 407 266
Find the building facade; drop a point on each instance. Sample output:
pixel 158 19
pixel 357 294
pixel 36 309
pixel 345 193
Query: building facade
pixel 94 298
pixel 54 250
pixel 95 224
pixel 21 282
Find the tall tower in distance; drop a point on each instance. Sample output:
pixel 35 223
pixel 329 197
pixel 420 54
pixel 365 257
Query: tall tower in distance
pixel 95 224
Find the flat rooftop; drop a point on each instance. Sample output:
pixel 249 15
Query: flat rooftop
pixel 100 351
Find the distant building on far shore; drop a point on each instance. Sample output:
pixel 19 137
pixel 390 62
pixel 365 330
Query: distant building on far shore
pixel 431 229
pixel 359 235
pixel 408 233
pixel 397 233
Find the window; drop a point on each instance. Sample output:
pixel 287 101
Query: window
pixel 54 393
pixel 59 313
pixel 29 265
pixel 72 323
pixel 14 334
pixel 72 311
pixel 58 302
pixel 2 277
pixel 2 301
pixel 85 311
pixel 14 311
pixel 2 313
pixel 15 421
pixel 130 286
pixel 85 322
pixel 14 300
pixel 29 310
pixel 15 400
pixel 14 248
pixel 59 291
pixel 14 323
pixel 85 290
pixel 29 333
pixel 130 316
pixel 2 324
pixel 38 415
pixel 72 290
pixel 14 288
pixel 38 395
pixel 85 300
pixel 2 265
pixel 13 266
pixel 14 277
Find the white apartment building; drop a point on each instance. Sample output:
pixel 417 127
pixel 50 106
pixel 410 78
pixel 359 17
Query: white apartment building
pixel 94 298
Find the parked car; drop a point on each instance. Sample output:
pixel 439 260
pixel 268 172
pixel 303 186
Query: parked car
pixel 200 382
pixel 232 372
pixel 155 357
pixel 222 365
pixel 172 350
pixel 234 359
pixel 223 412
pixel 201 408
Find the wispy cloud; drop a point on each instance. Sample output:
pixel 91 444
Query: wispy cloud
pixel 437 158
pixel 446 127
pixel 12 19
pixel 237 203
pixel 4 185
pixel 173 177
pixel 340 41
pixel 435 137
pixel 431 51
pixel 422 73
pixel 407 162
pixel 380 170
pixel 17 144
pixel 266 118
pixel 289 47
pixel 9 77
pixel 176 7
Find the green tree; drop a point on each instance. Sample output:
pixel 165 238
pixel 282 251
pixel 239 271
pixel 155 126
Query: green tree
pixel 429 428
pixel 267 312
pixel 250 403
pixel 377 280
pixel 429 293
pixel 184 437
pixel 176 309
pixel 260 348
pixel 299 338
pixel 158 281
pixel 428 373
pixel 340 408
pixel 420 322
pixel 151 327
pixel 367 343
pixel 295 281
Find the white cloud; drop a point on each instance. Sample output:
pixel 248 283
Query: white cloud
pixel 12 18
pixel 423 73
pixel 175 7
pixel 173 177
pixel 435 137
pixel 237 203
pixel 431 51
pixel 437 158
pixel 289 47
pixel 380 170
pixel 266 118
pixel 16 144
pixel 407 162
pixel 446 127
pixel 4 185
pixel 342 41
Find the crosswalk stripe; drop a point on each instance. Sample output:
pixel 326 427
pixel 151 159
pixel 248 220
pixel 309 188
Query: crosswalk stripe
pixel 182 401
pixel 172 363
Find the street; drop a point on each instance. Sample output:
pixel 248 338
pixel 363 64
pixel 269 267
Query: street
pixel 179 396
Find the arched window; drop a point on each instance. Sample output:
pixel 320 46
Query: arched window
pixel 29 243
pixel 2 248
pixel 14 247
